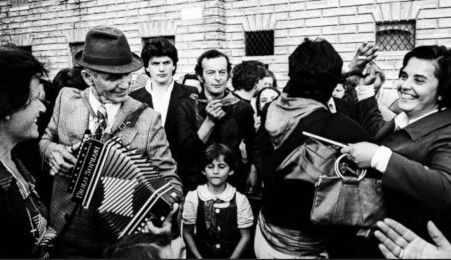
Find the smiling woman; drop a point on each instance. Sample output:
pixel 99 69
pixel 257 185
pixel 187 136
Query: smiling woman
pixel 23 223
pixel 415 147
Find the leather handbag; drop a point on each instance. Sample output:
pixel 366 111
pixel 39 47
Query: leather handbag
pixel 344 196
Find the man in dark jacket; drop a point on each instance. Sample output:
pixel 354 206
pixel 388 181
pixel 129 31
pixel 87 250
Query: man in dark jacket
pixel 160 91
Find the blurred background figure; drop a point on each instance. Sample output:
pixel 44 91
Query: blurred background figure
pixel 265 96
pixel 247 78
pixel 269 80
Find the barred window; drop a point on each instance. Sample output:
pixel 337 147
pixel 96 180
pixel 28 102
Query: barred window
pixel 74 48
pixel 170 38
pixel 19 2
pixel 395 36
pixel 259 43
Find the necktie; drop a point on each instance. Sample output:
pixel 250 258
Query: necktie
pixel 101 117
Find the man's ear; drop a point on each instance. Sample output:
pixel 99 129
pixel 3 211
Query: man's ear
pixel 88 77
pixel 204 173
pixel 200 78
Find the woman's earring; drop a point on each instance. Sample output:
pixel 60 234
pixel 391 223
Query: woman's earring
pixel 439 98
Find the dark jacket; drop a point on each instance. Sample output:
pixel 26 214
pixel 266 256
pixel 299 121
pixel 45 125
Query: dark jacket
pixel 236 126
pixel 178 92
pixel 287 202
pixel 417 181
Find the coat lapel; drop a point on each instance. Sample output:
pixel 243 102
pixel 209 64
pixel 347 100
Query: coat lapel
pixel 128 133
pixel 171 117
pixel 79 116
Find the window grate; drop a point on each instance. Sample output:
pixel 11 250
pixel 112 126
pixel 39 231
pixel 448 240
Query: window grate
pixel 259 43
pixel 170 38
pixel 395 36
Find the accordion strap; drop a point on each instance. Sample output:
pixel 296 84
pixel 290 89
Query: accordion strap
pixel 130 120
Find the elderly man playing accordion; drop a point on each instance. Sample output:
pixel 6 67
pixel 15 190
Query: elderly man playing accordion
pixel 107 63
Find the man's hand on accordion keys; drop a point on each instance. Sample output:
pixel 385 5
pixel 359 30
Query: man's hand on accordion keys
pixel 165 228
pixel 61 158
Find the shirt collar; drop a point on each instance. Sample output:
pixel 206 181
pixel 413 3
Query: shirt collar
pixel 96 104
pixel 401 120
pixel 226 195
pixel 149 87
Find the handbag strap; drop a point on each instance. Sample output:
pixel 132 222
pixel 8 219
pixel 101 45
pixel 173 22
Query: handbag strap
pixel 130 120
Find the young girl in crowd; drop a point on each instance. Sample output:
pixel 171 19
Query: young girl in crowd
pixel 216 216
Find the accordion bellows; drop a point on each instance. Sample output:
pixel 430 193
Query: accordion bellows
pixel 121 184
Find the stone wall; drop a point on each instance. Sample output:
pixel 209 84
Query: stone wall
pixel 50 25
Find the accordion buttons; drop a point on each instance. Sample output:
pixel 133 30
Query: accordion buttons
pixel 217 210
pixel 218 246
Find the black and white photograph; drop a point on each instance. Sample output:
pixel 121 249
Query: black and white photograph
pixel 252 129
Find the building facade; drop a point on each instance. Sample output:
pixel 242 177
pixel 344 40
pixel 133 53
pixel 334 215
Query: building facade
pixel 54 29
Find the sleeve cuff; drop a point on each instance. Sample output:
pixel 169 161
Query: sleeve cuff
pixel 380 158
pixel 364 92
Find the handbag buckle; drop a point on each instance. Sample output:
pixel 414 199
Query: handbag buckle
pixel 343 164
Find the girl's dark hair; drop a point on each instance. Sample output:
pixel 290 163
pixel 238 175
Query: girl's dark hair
pixel 257 100
pixel 314 69
pixel 17 67
pixel 246 74
pixel 441 56
pixel 159 47
pixel 213 151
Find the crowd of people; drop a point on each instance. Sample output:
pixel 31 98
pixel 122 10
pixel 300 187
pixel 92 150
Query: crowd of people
pixel 234 152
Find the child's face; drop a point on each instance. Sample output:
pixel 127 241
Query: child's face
pixel 217 171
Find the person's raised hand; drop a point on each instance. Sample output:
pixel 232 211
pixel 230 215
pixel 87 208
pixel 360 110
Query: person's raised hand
pixel 166 227
pixel 364 54
pixel 360 153
pixel 397 241
pixel 214 110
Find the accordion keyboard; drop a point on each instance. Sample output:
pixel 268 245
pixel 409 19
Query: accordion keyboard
pixel 122 185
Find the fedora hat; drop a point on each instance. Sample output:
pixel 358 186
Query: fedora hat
pixel 106 49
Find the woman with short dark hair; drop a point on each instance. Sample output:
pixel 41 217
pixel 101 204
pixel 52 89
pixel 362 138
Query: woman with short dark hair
pixel 415 147
pixel 24 230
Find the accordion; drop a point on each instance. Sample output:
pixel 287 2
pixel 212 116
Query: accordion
pixel 123 187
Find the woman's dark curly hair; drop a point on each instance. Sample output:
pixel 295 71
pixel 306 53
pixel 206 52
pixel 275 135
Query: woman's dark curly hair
pixel 441 57
pixel 17 67
pixel 314 69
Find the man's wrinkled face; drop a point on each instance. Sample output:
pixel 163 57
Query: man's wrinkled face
pixel 215 75
pixel 109 88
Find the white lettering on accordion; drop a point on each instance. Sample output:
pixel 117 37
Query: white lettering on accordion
pixel 88 173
